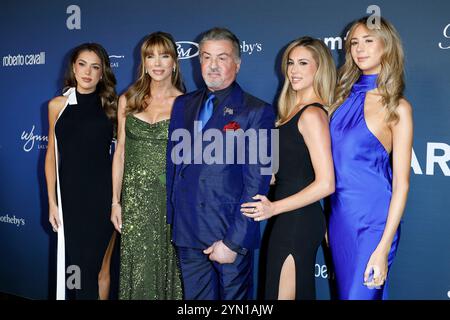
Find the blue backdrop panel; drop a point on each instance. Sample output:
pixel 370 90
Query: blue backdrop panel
pixel 37 36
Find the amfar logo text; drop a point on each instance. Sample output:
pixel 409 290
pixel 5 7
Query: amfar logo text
pixel 30 138
pixel 437 153
pixel 334 43
pixel 446 33
pixel 27 60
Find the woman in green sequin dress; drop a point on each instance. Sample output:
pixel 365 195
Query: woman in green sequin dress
pixel 148 266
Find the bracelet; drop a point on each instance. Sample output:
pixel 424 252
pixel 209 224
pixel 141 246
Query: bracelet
pixel 115 204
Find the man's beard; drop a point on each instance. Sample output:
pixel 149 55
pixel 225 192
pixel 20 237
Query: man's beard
pixel 214 84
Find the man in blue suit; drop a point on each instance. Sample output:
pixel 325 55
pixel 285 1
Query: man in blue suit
pixel 214 241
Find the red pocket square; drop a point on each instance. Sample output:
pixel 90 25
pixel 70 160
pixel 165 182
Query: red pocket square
pixel 233 125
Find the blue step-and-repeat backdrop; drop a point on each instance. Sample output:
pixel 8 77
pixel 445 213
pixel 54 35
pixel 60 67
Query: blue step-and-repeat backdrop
pixel 36 37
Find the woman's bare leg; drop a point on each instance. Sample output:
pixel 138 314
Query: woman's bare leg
pixel 104 280
pixel 286 289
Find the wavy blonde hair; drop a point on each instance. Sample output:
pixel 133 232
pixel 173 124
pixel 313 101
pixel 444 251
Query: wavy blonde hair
pixel 324 79
pixel 390 81
pixel 140 90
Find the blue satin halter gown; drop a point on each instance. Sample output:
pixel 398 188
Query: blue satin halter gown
pixel 360 204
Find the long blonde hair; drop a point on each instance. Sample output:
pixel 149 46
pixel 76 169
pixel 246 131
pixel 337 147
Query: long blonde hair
pixel 324 79
pixel 390 81
pixel 140 90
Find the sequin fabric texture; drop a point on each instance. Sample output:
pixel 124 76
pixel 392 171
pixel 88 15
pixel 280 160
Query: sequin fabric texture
pixel 148 267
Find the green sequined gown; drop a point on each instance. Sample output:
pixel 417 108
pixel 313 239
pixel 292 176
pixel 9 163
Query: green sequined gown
pixel 148 267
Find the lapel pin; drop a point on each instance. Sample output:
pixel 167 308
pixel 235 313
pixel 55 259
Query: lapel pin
pixel 227 110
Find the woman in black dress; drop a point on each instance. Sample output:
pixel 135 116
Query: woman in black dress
pixel 78 173
pixel 305 175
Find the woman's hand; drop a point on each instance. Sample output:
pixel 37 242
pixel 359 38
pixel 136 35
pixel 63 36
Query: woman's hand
pixel 260 210
pixel 116 216
pixel 376 271
pixel 53 217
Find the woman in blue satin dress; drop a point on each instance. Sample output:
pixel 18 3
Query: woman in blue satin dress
pixel 371 132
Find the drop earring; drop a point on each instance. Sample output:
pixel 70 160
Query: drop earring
pixel 174 69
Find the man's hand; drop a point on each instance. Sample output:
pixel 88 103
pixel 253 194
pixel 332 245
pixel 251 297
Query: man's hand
pixel 220 253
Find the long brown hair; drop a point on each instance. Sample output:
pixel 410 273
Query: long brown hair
pixel 390 81
pixel 140 90
pixel 324 79
pixel 106 87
